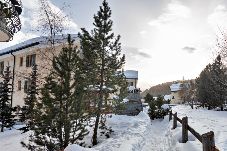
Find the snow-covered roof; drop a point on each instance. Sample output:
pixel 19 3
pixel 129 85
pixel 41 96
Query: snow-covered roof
pixel 176 87
pixel 167 97
pixel 35 41
pixel 131 74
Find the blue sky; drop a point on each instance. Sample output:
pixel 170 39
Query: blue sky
pixel 164 40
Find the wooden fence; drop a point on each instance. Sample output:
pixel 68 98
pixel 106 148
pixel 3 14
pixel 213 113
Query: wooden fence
pixel 206 139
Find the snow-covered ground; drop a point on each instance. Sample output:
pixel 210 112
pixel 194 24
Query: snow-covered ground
pixel 138 133
pixel 203 121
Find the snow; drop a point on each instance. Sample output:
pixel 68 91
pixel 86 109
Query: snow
pixel 165 106
pixel 167 97
pixel 130 88
pixel 139 133
pixel 175 87
pixel 125 100
pixel 75 147
pixel 131 74
pixel 41 40
pixel 203 121
pixel 10 139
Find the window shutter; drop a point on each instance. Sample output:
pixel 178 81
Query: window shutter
pixel 21 61
pixel 19 85
pixel 25 86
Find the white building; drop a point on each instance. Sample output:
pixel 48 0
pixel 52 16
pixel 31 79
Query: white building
pixel 176 89
pixel 131 77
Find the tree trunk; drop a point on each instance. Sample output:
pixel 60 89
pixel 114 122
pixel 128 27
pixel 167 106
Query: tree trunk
pixel 222 108
pixel 94 137
pixel 2 127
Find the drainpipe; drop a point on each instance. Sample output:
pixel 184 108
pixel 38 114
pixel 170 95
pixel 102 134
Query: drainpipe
pixel 14 63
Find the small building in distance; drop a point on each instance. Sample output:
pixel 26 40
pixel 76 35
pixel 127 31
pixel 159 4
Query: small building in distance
pixel 132 102
pixel 131 77
pixel 176 89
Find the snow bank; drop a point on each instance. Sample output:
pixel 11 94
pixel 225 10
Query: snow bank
pixel 203 121
pixel 75 147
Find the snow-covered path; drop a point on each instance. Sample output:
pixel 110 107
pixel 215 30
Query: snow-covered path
pixel 158 137
pixel 138 133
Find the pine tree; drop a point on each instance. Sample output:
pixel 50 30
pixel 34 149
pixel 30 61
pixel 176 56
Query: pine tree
pixel 61 120
pixel 102 59
pixel 211 88
pixel 159 101
pixel 204 87
pixel 218 77
pixel 148 98
pixel 28 112
pixel 6 116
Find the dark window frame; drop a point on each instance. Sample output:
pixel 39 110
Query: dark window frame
pixel 1 67
pixel 19 85
pixel 21 61
pixel 30 60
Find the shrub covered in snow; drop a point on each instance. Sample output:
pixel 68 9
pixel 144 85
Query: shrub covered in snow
pixel 155 109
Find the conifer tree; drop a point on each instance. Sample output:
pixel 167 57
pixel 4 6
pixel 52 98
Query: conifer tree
pixel 30 101
pixel 218 77
pixel 6 116
pixel 61 120
pixel 102 59
pixel 204 87
pixel 148 98
pixel 211 89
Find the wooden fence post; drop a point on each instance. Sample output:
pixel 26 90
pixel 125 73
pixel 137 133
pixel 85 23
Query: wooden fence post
pixel 170 115
pixel 208 141
pixel 184 129
pixel 174 120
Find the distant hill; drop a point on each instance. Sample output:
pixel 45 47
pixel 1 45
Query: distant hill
pixel 160 89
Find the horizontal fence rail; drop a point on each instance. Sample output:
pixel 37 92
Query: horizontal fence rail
pixel 206 139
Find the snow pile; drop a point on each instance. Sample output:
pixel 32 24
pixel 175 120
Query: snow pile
pixel 75 147
pixel 203 121
pixel 136 133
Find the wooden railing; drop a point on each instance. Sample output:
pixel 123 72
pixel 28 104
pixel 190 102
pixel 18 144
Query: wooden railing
pixel 206 139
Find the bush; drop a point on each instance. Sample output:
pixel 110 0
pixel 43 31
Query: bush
pixel 155 110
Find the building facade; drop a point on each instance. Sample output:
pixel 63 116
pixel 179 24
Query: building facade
pixel 21 57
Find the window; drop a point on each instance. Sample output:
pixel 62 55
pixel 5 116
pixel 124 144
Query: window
pixel 21 61
pixel 19 85
pixel 30 60
pixel 26 86
pixel 1 67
